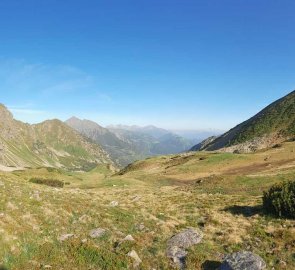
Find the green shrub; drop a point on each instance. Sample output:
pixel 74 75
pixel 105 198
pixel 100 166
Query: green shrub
pixel 280 200
pixel 48 182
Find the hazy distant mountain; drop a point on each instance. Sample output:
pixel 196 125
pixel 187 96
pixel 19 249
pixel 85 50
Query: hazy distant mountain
pixel 120 150
pixel 148 130
pixel 126 144
pixel 197 135
pixel 51 143
pixel 158 141
pixel 274 124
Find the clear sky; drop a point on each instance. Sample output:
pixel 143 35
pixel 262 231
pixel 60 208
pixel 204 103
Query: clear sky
pixel 184 64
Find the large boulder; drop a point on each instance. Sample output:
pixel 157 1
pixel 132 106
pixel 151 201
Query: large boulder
pixel 243 260
pixel 179 243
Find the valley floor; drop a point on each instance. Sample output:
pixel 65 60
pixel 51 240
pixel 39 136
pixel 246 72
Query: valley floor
pixel 43 227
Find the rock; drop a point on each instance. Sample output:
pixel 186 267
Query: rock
pixel 65 237
pixel 140 227
pixel 243 260
pixel 35 195
pixel 135 198
pixel 114 203
pixel 97 233
pixel 177 245
pixel 129 238
pixel 136 260
pixel 84 219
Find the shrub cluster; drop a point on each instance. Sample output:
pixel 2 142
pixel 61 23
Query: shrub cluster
pixel 48 182
pixel 280 200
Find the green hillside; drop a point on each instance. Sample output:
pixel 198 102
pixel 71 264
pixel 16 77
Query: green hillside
pixel 51 144
pixel 275 123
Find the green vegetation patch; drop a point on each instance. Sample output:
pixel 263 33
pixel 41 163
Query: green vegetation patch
pixel 48 182
pixel 280 200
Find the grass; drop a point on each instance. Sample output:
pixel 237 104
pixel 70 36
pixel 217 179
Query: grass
pixel 157 198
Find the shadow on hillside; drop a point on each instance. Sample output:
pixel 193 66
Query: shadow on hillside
pixel 3 268
pixel 210 265
pixel 246 211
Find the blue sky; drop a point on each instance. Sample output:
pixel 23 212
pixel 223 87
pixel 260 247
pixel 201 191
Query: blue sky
pixel 175 64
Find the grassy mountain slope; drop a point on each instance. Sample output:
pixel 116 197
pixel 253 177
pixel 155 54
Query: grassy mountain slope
pixel 217 193
pixel 51 143
pixel 276 123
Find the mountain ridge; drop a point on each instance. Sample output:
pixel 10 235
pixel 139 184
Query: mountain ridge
pixel 272 125
pixel 50 143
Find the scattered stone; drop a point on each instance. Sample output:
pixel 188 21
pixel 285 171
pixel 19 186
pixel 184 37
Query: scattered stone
pixel 243 260
pixel 135 198
pixel 97 233
pixel 84 219
pixel 84 241
pixel 35 195
pixel 114 203
pixel 2 215
pixel 65 237
pixel 177 245
pixel 140 227
pixel 129 238
pixel 136 260
pixel 1 184
pixel 47 266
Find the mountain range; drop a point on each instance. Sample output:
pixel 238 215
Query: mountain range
pixel 83 144
pixel 125 144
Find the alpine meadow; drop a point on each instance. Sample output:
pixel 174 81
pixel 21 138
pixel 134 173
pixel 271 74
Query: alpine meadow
pixel 147 135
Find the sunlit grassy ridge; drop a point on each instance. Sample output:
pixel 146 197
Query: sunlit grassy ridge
pixel 219 193
pixel 273 124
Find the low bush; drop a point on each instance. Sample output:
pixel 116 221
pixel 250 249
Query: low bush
pixel 280 200
pixel 48 182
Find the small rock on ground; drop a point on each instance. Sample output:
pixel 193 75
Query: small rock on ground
pixel 243 260
pixel 97 233
pixel 129 238
pixel 136 260
pixel 65 237
pixel 135 198
pixel 114 203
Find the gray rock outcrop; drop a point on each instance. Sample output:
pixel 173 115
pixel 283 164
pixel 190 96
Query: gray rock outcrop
pixel 243 260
